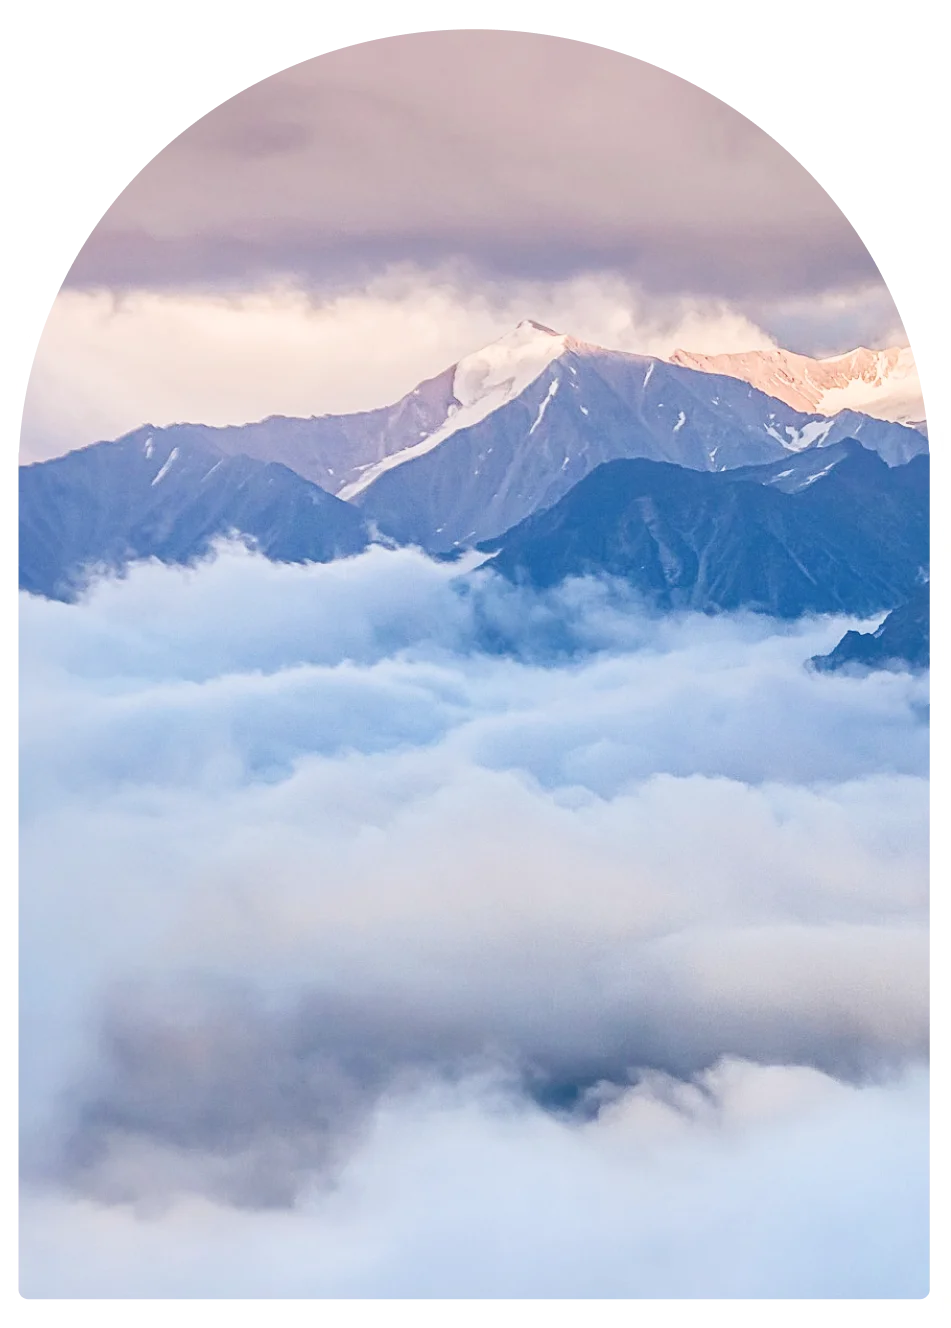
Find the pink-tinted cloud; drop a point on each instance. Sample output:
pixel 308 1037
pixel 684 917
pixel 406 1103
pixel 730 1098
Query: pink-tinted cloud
pixel 525 155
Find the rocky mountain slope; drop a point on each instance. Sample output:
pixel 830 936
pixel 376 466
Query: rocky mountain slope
pixel 146 496
pixel 854 541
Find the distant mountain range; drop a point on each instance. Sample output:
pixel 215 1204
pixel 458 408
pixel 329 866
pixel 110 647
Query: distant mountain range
pixel 556 457
pixel 883 383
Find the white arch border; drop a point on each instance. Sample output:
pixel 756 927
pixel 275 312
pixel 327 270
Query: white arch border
pixel 711 69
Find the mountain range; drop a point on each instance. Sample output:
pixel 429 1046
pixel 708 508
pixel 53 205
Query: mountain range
pixel 555 457
pixel 539 411
pixel 510 428
pixel 883 383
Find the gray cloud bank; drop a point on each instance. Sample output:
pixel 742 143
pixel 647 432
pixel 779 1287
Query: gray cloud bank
pixel 594 967
pixel 528 156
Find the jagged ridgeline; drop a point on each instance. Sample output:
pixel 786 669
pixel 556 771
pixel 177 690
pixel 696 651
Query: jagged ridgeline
pixel 555 458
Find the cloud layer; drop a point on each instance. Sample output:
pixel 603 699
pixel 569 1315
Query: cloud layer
pixel 757 1182
pixel 529 156
pixel 320 892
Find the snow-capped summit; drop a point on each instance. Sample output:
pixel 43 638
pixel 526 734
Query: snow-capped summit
pixel 538 327
pixel 481 383
pixel 501 371
pixel 880 383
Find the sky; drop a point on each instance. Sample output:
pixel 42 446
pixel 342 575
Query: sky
pixel 405 968
pixel 358 222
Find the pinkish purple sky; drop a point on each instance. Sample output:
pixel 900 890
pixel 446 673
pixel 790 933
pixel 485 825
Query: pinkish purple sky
pixel 341 230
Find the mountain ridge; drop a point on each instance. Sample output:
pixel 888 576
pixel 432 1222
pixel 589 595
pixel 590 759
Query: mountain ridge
pixel 901 641
pixel 499 442
pixel 856 542
pixel 585 406
pixel 345 454
pixel 103 507
pixel 880 383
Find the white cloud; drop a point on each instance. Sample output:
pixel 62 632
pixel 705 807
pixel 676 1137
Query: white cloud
pixel 776 1182
pixel 294 843
pixel 107 364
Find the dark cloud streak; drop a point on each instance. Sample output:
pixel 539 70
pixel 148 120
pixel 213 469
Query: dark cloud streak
pixel 661 264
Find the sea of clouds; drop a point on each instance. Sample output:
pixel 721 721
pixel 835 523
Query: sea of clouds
pixel 390 931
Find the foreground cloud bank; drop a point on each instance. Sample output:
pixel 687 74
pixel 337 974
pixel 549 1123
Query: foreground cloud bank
pixel 409 936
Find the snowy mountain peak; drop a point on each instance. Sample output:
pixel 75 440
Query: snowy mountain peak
pixel 567 385
pixel 537 327
pixel 503 369
pixel 482 382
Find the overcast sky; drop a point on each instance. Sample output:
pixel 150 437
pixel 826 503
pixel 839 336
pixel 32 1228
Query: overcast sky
pixel 357 222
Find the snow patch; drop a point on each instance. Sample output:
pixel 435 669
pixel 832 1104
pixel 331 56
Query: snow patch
pixel 811 479
pixel 809 435
pixel 882 383
pixel 681 421
pixel 553 388
pixel 166 467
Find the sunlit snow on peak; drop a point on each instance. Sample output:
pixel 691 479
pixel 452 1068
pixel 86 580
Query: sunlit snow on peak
pixel 482 382
pixel 503 369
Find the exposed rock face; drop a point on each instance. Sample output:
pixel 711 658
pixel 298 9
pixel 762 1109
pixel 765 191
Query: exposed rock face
pixel 902 641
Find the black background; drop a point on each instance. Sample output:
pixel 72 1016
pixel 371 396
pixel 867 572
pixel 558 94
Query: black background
pixel 867 89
